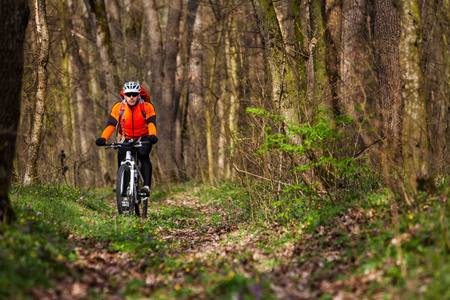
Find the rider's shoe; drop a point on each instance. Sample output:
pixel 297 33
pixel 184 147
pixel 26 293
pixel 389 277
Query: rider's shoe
pixel 146 189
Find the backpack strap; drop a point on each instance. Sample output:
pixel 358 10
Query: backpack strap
pixel 142 106
pixel 120 121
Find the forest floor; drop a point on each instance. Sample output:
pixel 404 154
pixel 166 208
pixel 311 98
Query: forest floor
pixel 194 245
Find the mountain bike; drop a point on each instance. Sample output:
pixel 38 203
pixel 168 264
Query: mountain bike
pixel 129 181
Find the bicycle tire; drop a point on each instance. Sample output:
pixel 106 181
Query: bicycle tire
pixel 145 208
pixel 136 208
pixel 123 176
pixel 144 202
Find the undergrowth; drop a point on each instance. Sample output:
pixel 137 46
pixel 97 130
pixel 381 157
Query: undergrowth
pixel 385 248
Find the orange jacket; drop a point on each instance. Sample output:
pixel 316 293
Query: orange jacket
pixel 134 124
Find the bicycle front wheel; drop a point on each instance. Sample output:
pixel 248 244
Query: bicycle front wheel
pixel 124 204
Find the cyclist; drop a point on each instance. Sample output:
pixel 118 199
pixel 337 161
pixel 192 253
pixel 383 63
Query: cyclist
pixel 136 119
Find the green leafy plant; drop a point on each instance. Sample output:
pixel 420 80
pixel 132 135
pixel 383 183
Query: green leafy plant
pixel 323 149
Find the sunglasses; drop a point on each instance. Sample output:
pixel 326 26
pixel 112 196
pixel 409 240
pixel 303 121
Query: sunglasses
pixel 131 94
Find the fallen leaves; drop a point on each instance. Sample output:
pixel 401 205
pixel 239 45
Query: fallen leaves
pixel 302 269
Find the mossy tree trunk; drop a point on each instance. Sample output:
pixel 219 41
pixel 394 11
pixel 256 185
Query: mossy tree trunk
pixel 66 108
pixel 31 172
pixel 444 19
pixel 355 73
pixel 416 155
pixel 332 16
pixel 232 57
pixel 280 71
pixel 316 50
pixel 303 64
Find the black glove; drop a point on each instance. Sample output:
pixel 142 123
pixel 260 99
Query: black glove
pixel 153 139
pixel 100 141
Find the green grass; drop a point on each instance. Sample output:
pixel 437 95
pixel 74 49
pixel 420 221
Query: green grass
pixel 405 250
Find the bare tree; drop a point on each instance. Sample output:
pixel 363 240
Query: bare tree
pixel 435 64
pixel 164 67
pixel 387 57
pixel 275 52
pixel 232 57
pixel 97 13
pixel 13 21
pixel 416 155
pixel 196 97
pixel 34 144
pixel 332 16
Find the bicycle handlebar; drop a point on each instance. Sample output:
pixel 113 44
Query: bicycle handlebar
pixel 134 144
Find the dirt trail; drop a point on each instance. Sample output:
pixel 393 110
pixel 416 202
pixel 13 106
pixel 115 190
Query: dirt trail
pixel 292 267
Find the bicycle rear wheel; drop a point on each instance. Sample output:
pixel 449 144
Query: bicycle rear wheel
pixel 124 203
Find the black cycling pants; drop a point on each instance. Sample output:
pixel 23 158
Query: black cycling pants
pixel 143 155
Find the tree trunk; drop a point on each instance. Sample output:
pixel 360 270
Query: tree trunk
pixel 80 118
pixel 115 13
pixel 332 16
pixel 316 49
pixel 279 68
pixel 232 60
pixel 416 156
pixel 97 13
pixel 31 173
pixel 444 19
pixel 386 50
pixel 101 171
pixel 301 29
pixel 66 108
pixel 156 49
pixel 163 69
pixel 436 79
pixel 196 97
pixel 208 108
pixel 133 22
pixel 13 22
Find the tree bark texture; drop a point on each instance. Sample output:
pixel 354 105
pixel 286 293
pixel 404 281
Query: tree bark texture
pixel 82 125
pixel 316 49
pixel 208 108
pixel 66 108
pixel 354 64
pixel 332 16
pixel 435 53
pixel 387 58
pixel 31 173
pixel 416 156
pixel 167 106
pixel 196 96
pixel 97 12
pixel 13 21
pixel 233 61
pixel 156 49
pixel 279 70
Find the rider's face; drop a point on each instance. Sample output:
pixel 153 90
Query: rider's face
pixel 132 99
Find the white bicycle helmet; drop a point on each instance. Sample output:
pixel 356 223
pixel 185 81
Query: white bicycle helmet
pixel 131 87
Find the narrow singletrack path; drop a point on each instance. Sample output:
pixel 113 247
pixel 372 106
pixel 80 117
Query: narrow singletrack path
pixel 304 269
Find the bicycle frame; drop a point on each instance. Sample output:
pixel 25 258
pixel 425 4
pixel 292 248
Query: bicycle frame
pixel 129 189
pixel 130 160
